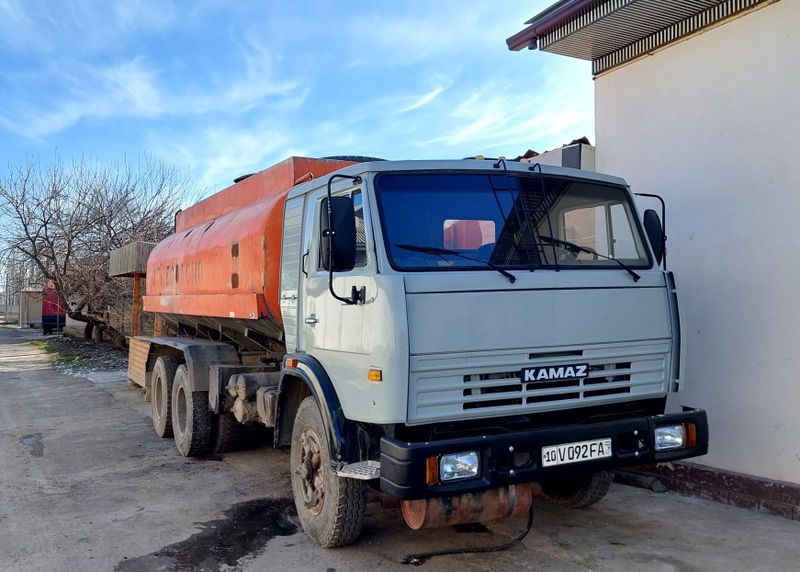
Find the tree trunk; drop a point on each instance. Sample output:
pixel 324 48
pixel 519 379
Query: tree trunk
pixel 118 340
pixel 97 330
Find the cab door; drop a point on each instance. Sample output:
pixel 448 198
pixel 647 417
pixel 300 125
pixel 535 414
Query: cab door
pixel 337 334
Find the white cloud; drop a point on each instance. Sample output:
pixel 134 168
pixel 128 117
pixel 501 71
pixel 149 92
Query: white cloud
pixel 444 31
pixel 80 26
pixel 127 89
pixel 423 100
pixel 18 28
pixel 136 88
pixel 229 90
pixel 505 114
pixel 218 154
pixel 135 15
pixel 259 78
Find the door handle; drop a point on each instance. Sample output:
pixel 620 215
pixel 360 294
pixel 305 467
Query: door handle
pixel 311 320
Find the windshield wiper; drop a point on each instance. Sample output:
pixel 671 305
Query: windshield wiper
pixel 575 248
pixel 435 250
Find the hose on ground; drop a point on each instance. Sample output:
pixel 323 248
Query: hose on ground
pixel 420 559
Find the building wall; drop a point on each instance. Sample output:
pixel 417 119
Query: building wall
pixel 712 124
pixel 30 309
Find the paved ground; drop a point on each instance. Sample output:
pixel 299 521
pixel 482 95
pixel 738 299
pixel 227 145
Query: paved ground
pixel 85 484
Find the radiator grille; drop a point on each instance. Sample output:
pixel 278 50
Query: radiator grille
pixel 606 379
pixel 483 384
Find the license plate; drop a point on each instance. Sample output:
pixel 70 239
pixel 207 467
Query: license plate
pixel 577 452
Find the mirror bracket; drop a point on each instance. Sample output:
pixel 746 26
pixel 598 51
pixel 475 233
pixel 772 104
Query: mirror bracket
pixel 359 294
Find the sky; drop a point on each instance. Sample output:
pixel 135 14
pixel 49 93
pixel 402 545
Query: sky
pixel 227 88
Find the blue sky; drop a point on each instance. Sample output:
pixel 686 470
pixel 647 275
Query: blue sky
pixel 226 88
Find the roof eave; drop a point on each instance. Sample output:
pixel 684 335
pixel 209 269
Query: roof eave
pixel 524 39
pixel 546 21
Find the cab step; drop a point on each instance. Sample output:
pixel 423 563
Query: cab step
pixel 363 470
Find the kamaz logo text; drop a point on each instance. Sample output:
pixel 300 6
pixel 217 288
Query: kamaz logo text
pixel 553 373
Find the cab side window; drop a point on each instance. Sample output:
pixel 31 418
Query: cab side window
pixel 361 233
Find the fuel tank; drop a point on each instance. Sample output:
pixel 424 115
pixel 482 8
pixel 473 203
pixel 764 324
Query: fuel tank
pixel 222 264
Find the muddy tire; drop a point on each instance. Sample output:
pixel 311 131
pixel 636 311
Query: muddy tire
pixel 228 435
pixel 161 394
pixel 579 492
pixel 331 508
pixel 191 417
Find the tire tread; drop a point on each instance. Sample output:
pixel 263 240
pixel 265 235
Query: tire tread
pixel 229 435
pixel 169 365
pixel 344 526
pixel 197 438
pixel 589 491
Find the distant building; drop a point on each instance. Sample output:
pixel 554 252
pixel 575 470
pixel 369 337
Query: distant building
pixel 697 100
pixel 21 283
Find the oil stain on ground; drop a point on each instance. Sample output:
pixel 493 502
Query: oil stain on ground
pixel 34 444
pixel 244 531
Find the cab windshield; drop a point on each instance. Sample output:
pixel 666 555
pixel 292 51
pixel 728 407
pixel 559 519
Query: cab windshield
pixel 441 221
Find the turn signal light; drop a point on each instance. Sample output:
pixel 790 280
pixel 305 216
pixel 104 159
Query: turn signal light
pixel 375 375
pixel 690 430
pixel 431 471
pixel 291 362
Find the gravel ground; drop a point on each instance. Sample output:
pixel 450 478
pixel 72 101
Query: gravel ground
pixel 79 357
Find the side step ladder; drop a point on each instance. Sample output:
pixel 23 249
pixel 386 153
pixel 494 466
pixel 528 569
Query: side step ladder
pixel 363 470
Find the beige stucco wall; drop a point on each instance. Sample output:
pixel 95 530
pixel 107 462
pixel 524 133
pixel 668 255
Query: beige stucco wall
pixel 712 124
pixel 30 309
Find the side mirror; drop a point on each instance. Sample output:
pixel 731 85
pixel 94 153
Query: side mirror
pixel 655 233
pixel 338 239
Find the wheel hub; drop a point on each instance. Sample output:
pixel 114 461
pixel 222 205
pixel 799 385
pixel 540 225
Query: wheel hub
pixel 311 471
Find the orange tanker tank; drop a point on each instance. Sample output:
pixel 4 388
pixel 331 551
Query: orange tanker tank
pixel 222 265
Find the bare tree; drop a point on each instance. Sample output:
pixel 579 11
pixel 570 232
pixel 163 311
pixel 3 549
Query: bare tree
pixel 67 219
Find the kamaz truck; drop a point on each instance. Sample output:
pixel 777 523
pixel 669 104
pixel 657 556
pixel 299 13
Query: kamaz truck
pixel 459 335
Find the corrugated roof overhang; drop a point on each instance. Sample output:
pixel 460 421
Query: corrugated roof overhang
pixel 612 32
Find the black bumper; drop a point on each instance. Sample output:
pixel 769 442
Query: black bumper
pixel 516 457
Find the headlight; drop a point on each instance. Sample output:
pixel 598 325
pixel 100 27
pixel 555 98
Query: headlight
pixel 459 466
pixel 670 437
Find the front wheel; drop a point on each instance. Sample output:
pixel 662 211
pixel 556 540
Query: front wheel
pixel 331 508
pixel 579 492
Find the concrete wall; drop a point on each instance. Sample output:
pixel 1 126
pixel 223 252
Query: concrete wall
pixel 712 124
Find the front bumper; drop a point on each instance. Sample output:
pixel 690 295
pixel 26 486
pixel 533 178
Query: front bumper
pixel 510 458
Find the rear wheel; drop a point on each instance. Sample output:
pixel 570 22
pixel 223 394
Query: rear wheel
pixel 191 418
pixel 229 435
pixel 331 508
pixel 161 394
pixel 579 492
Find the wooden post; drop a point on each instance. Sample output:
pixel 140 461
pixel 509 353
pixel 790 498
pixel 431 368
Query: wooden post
pixel 137 299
